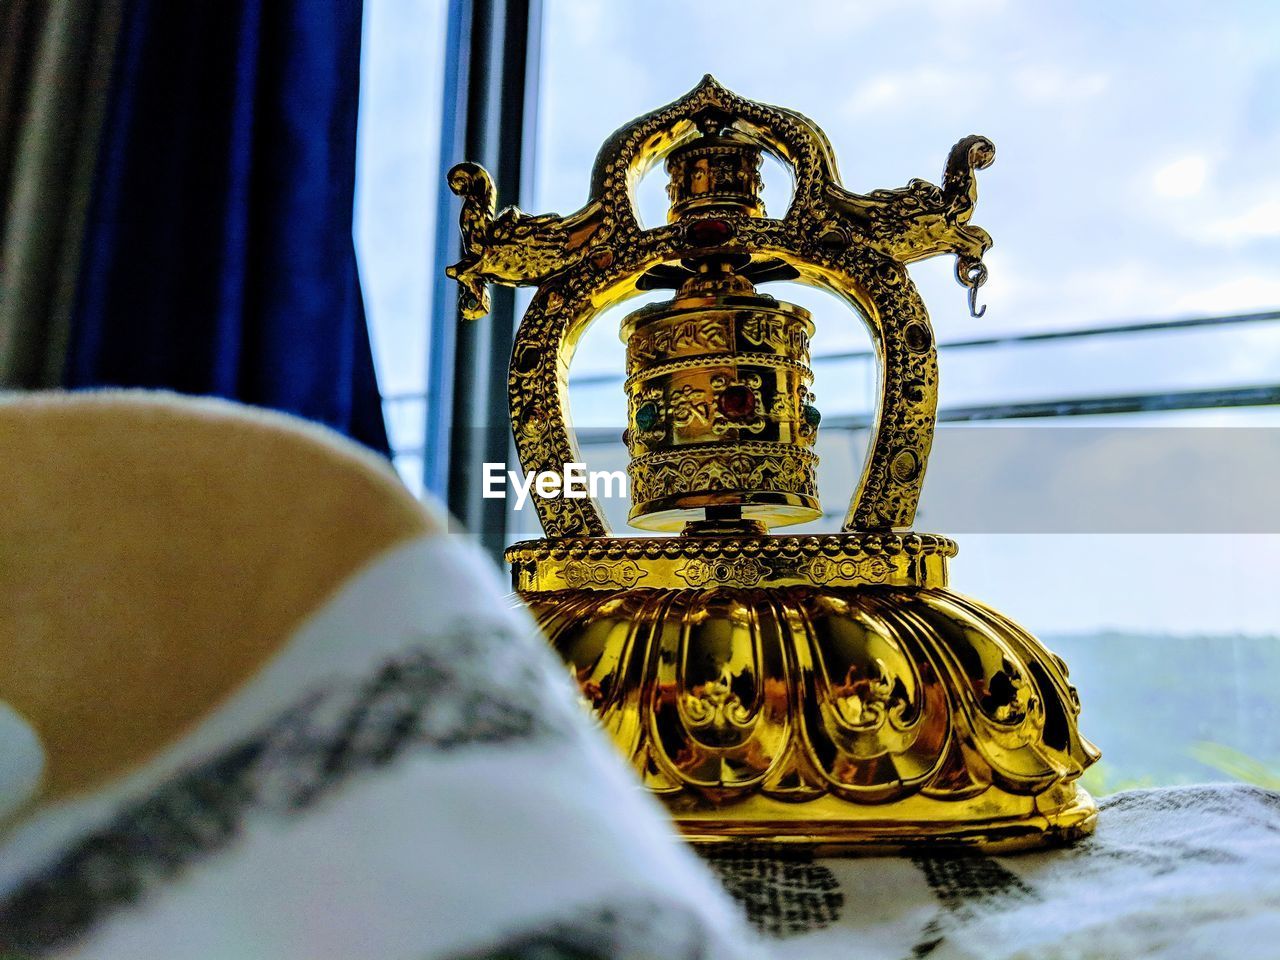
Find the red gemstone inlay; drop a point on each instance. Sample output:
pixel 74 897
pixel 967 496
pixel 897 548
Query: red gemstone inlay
pixel 737 402
pixel 706 233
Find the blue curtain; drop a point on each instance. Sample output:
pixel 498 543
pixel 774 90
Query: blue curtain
pixel 218 256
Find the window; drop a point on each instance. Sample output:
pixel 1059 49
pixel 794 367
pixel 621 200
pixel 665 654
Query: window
pixel 1135 205
pixel 402 74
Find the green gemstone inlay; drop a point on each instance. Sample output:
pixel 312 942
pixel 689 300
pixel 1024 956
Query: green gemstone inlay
pixel 647 416
pixel 812 415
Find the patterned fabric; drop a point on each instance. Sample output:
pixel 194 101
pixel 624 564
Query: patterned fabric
pixel 782 896
pixel 624 931
pixel 429 698
pixel 1183 872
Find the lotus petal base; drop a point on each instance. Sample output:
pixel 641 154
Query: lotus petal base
pixel 825 690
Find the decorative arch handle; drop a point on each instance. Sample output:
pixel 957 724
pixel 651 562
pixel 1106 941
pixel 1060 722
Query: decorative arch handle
pixel 856 245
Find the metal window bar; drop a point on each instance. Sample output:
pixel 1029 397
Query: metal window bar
pixel 491 65
pixel 1144 326
pixel 1141 326
pixel 1234 396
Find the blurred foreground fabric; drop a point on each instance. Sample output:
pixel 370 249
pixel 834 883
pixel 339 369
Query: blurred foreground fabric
pixel 288 716
pixel 327 732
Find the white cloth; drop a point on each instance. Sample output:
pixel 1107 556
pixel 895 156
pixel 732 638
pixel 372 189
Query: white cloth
pixel 411 778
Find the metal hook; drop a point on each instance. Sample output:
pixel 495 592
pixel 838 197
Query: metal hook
pixel 973 274
pixel 974 311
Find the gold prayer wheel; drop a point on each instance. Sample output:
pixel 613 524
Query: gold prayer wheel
pixel 721 414
pixel 826 690
pixel 720 410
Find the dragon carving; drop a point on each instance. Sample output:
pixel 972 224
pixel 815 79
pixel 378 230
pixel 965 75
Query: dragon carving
pixel 513 247
pixel 923 220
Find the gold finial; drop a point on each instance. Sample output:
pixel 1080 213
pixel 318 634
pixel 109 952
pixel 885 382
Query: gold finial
pixel 717 173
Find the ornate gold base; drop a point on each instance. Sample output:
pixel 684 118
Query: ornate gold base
pixel 835 827
pixel 825 690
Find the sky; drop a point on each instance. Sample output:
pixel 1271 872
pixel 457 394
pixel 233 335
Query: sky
pixel 1137 176
pixel 1137 146
pixel 1136 169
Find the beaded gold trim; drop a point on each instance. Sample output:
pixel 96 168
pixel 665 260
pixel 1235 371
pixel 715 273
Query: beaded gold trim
pixel 871 559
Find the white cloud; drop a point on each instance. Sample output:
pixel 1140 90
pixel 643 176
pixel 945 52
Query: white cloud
pixel 1184 177
pixel 1239 294
pixel 1259 221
